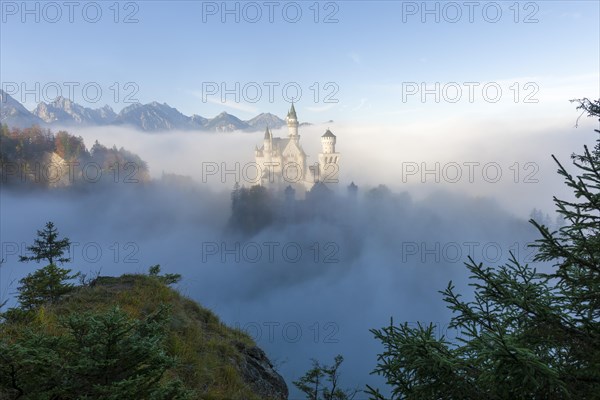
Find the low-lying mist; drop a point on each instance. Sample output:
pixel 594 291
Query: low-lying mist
pixel 508 161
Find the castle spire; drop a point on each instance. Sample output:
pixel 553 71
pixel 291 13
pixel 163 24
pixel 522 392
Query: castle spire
pixel 292 112
pixel 268 134
pixel 292 123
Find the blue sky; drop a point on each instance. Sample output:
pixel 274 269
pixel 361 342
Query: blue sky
pixel 176 50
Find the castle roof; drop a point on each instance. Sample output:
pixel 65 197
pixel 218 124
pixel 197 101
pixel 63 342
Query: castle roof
pixel 292 112
pixel 328 134
pixel 280 144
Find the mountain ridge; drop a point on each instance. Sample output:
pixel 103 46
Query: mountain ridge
pixel 150 117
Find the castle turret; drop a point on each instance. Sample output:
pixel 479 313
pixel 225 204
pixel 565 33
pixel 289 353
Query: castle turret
pixel 328 159
pixel 292 123
pixel 328 142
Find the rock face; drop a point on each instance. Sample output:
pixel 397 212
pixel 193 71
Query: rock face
pixel 14 114
pixel 264 120
pixel 225 122
pixel 258 371
pixel 153 117
pixel 63 111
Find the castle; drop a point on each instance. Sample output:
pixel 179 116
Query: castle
pixel 283 161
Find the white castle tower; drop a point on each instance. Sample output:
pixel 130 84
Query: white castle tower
pixel 283 161
pixel 328 159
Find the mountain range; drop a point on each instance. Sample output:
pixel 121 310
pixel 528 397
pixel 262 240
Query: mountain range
pixel 151 117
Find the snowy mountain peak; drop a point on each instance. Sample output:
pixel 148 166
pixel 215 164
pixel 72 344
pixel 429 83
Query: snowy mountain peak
pixel 149 117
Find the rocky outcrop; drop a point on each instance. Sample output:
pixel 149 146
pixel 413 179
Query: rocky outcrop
pixel 216 361
pixel 55 170
pixel 257 370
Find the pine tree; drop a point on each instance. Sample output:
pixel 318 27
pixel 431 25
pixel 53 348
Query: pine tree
pixel 526 335
pixel 97 356
pixel 112 356
pixel 47 284
pixel 48 247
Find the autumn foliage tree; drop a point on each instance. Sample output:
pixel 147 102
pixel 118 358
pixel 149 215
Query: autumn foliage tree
pixel 69 147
